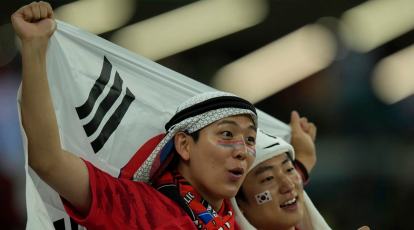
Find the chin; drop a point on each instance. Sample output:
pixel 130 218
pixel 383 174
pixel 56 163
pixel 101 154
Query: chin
pixel 229 192
pixel 294 219
pixel 225 189
pixel 286 222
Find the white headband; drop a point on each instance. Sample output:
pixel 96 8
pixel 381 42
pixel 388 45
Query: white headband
pixel 268 146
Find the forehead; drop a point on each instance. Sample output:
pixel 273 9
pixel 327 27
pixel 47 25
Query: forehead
pixel 272 163
pixel 243 120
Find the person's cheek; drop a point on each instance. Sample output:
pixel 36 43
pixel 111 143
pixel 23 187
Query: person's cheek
pixel 250 160
pixel 263 197
pixel 297 179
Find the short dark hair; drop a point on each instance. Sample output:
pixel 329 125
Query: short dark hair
pixel 195 135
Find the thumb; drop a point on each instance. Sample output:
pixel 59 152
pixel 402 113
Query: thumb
pixel 364 228
pixel 49 25
pixel 294 120
pixel 54 26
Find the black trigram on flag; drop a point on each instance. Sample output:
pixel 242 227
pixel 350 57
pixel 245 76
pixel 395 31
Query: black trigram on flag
pixel 104 106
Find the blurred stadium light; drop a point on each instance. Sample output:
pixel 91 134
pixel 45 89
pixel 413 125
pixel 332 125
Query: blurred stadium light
pixel 393 78
pixel 376 22
pixel 279 64
pixel 97 16
pixel 190 26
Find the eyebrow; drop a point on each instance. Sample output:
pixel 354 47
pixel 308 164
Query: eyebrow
pixel 263 169
pixel 223 122
pixel 288 158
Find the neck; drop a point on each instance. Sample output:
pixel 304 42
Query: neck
pixel 213 200
pixel 273 227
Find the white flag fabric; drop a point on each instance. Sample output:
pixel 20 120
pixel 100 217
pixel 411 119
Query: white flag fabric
pixel 108 102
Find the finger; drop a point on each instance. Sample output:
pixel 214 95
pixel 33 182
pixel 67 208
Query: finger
pixel 294 120
pixel 18 14
pixel 304 123
pixel 312 131
pixel 304 119
pixel 46 6
pixel 43 10
pixel 35 11
pixel 27 13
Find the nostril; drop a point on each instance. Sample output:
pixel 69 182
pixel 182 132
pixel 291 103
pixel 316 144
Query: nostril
pixel 240 156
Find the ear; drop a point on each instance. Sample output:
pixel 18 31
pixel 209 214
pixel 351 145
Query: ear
pixel 182 144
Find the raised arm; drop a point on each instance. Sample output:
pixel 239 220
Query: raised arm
pixel 303 140
pixel 63 171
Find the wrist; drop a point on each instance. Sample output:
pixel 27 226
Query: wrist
pixel 307 158
pixel 34 47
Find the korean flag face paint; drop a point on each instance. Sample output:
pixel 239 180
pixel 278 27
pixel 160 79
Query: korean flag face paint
pixel 263 197
pixel 239 145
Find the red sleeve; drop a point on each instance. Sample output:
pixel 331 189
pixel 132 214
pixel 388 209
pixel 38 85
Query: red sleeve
pixel 125 204
pixel 302 171
pixel 109 208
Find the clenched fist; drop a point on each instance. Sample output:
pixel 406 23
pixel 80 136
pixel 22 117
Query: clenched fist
pixel 34 22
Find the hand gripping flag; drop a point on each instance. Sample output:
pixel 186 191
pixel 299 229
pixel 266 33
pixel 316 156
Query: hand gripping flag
pixel 108 102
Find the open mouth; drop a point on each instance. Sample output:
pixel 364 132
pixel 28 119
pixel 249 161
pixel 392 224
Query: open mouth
pixel 237 172
pixel 289 203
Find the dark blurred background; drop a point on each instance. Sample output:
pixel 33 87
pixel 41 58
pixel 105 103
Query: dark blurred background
pixel 353 77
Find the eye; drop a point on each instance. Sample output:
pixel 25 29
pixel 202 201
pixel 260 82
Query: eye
pixel 251 140
pixel 227 134
pixel 290 170
pixel 267 179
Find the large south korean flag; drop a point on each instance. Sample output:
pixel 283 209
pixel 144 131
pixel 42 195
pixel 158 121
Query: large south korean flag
pixel 108 102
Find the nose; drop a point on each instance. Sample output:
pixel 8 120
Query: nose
pixel 286 185
pixel 240 150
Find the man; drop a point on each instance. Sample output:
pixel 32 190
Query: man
pixel 272 195
pixel 195 168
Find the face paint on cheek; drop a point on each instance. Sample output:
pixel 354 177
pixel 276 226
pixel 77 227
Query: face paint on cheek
pixel 264 197
pixel 237 145
pixel 251 151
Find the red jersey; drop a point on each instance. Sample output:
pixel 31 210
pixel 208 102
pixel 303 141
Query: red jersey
pixel 125 204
